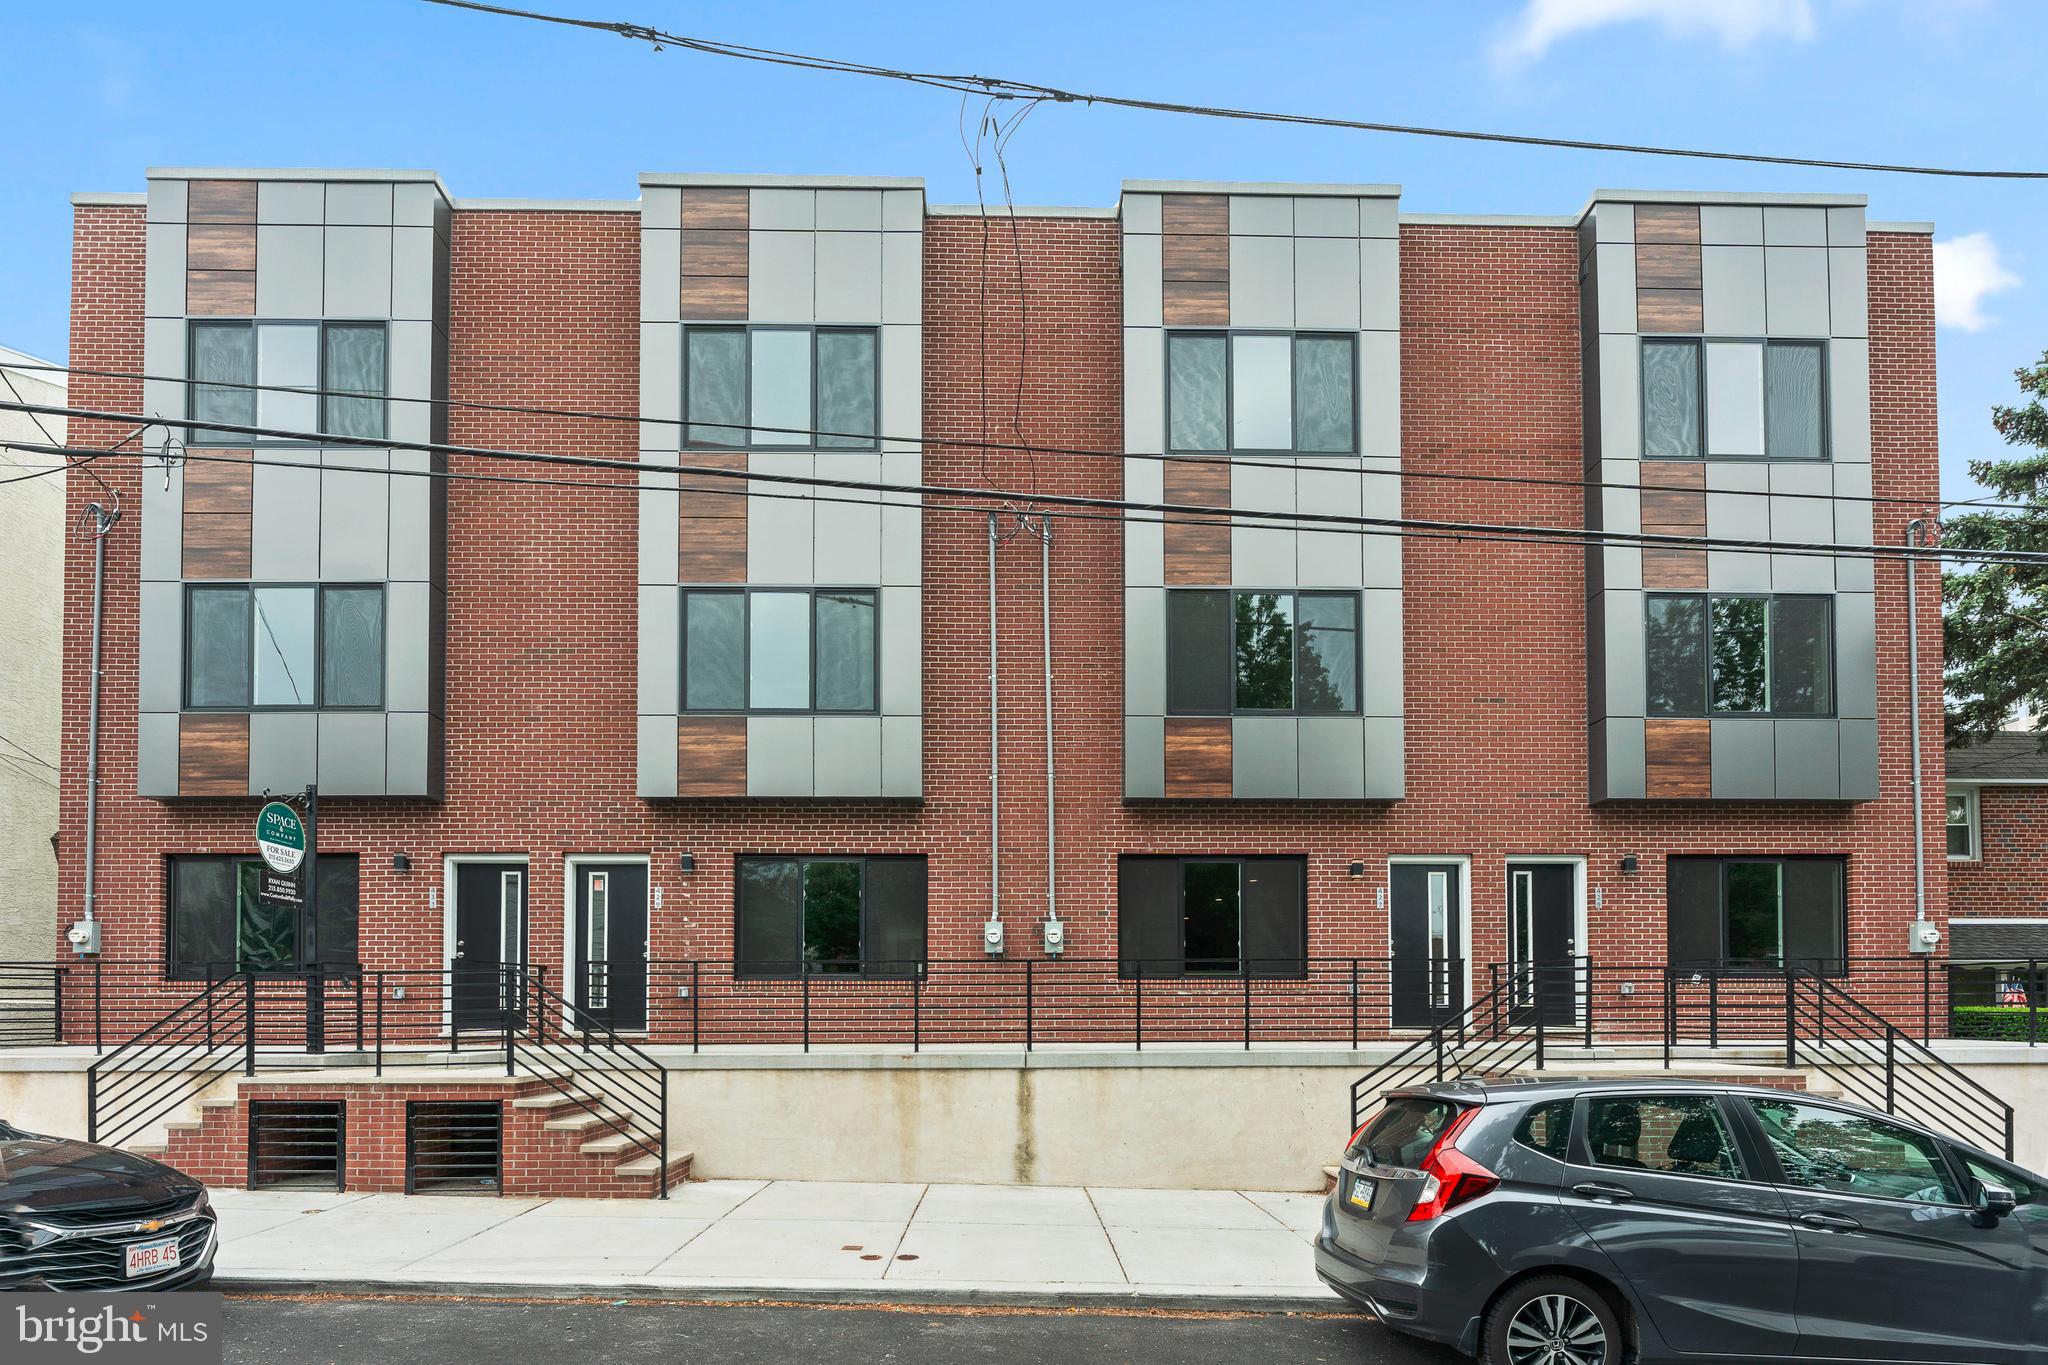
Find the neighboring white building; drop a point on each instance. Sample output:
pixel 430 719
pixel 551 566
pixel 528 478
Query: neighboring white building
pixel 31 664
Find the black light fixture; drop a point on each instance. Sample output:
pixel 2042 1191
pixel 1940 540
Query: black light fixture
pixel 400 863
pixel 688 862
pixel 1358 869
pixel 1628 862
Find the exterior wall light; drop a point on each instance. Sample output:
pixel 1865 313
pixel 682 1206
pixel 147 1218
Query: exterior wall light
pixel 1358 869
pixel 1628 862
pixel 688 863
pixel 400 863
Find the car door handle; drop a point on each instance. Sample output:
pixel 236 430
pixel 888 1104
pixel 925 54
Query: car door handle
pixel 1829 1222
pixel 1611 1194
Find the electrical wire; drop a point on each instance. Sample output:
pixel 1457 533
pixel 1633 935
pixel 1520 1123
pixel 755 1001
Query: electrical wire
pixel 1006 88
pixel 1080 452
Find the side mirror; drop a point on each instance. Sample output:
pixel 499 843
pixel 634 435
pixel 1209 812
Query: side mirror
pixel 1994 1202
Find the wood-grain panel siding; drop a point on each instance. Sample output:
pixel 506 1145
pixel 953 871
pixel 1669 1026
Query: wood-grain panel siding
pixel 710 495
pixel 1185 256
pixel 1208 214
pixel 215 544
pixel 1678 758
pixel 219 484
pixel 1195 303
pixel 213 755
pixel 711 756
pixel 1668 266
pixel 713 298
pixel 1670 310
pixel 1674 570
pixel 1673 512
pixel 220 201
pixel 714 251
pixel 1668 223
pixel 220 246
pixel 715 208
pixel 712 550
pixel 1197 549
pixel 1198 756
pixel 213 292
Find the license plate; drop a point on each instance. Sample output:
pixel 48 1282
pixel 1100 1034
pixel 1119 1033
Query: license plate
pixel 147 1258
pixel 1360 1197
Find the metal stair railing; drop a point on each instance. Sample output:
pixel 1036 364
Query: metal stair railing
pixel 1493 1036
pixel 1882 1066
pixel 171 1061
pixel 587 1063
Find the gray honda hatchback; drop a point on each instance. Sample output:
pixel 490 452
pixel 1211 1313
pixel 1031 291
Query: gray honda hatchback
pixel 1593 1222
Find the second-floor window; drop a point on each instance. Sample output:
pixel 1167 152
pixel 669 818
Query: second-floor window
pixel 800 387
pixel 779 649
pixel 1291 393
pixel 346 359
pixel 258 646
pixel 1729 654
pixel 1739 400
pixel 1291 653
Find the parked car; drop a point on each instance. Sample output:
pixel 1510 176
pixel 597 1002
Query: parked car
pixel 1588 1222
pixel 78 1216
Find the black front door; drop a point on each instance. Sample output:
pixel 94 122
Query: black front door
pixel 1428 972
pixel 490 935
pixel 611 943
pixel 1540 944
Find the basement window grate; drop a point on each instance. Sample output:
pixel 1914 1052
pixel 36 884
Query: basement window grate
pixel 296 1144
pixel 454 1146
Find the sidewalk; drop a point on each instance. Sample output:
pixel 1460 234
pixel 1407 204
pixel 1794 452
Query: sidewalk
pixel 937 1244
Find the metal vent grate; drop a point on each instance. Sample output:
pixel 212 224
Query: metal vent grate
pixel 295 1143
pixel 453 1146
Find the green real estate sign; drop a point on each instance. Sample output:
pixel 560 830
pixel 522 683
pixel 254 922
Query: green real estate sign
pixel 280 837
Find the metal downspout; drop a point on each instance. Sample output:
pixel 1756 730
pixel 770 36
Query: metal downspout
pixel 995 805
pixel 1052 881
pixel 1915 530
pixel 103 521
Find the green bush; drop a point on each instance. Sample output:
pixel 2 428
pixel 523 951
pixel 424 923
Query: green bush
pixel 1997 1023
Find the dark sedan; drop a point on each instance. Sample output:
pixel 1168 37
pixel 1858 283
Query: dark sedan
pixel 1583 1222
pixel 76 1216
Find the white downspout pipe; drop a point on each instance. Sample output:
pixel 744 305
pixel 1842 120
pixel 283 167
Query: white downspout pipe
pixel 1916 530
pixel 995 804
pixel 1052 881
pixel 103 521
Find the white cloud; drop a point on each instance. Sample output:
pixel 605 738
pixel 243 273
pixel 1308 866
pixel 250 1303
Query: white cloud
pixel 1968 270
pixel 1736 23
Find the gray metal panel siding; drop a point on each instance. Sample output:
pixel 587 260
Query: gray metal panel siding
pixel 1264 759
pixel 352 753
pixel 1745 759
pixel 1809 760
pixel 847 756
pixel 283 749
pixel 1144 757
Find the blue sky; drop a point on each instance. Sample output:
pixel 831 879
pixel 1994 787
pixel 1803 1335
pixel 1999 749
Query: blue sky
pixel 505 108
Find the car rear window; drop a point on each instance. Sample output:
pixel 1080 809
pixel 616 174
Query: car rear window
pixel 1404 1131
pixel 1547 1128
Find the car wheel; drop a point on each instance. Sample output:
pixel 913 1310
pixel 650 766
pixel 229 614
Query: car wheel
pixel 1552 1321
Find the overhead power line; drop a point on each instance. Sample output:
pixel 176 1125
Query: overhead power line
pixel 1007 88
pixel 1029 448
pixel 994 500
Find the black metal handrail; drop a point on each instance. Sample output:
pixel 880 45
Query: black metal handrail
pixel 604 1075
pixel 1493 1036
pixel 171 1061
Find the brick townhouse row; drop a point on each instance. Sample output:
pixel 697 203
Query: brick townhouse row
pixel 613 721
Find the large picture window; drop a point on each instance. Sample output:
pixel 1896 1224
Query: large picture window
pixel 1262 391
pixel 1727 654
pixel 831 916
pixel 217 925
pixel 775 649
pixel 258 646
pixel 345 358
pixel 1221 916
pixel 774 387
pixel 1758 912
pixel 1288 653
pixel 1736 399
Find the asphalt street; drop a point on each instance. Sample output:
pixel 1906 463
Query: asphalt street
pixel 347 1331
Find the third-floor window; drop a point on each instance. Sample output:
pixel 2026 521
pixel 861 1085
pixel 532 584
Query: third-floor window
pixel 800 387
pixel 345 359
pixel 1734 400
pixel 1287 653
pixel 779 649
pixel 264 645
pixel 1278 392
pixel 1729 654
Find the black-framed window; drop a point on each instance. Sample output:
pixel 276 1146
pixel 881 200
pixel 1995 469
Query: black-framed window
pixel 216 924
pixel 1734 399
pixel 1726 654
pixel 1221 916
pixel 1761 911
pixel 772 387
pixel 1240 652
pixel 349 358
pixel 263 646
pixel 1288 392
pixel 829 915
pixel 781 650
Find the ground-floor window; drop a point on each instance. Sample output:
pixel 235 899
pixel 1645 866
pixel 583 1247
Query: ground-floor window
pixel 218 924
pixel 830 916
pixel 1758 912
pixel 1199 916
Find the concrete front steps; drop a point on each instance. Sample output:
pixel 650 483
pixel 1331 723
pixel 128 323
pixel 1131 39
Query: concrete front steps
pixel 552 1144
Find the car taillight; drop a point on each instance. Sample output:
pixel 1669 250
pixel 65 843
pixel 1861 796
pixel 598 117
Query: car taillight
pixel 1449 1177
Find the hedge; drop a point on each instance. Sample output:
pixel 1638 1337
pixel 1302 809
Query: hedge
pixel 1998 1023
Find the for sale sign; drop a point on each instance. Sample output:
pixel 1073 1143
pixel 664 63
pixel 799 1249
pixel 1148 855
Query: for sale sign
pixel 280 837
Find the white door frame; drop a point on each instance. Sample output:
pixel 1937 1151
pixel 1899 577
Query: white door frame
pixel 449 862
pixel 1580 947
pixel 572 989
pixel 1464 862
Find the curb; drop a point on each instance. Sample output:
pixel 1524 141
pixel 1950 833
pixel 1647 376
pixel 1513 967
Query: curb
pixel 907 1295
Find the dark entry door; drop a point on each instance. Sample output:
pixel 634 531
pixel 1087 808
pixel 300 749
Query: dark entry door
pixel 1428 972
pixel 1541 915
pixel 490 935
pixel 611 943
